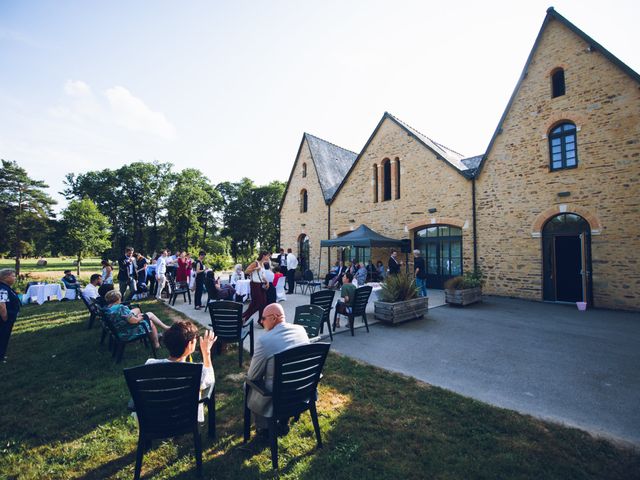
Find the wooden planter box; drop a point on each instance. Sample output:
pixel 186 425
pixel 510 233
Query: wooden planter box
pixel 401 311
pixel 463 297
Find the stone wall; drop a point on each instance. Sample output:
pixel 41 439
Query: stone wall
pixel 517 192
pixel 426 182
pixel 313 222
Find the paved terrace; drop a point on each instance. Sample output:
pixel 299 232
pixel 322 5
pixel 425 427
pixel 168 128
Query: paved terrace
pixel 547 360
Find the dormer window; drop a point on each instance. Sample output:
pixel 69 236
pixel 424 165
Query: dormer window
pixel 557 83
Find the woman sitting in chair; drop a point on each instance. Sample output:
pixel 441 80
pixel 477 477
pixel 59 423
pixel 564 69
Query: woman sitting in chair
pixel 217 291
pixel 181 341
pixel 131 322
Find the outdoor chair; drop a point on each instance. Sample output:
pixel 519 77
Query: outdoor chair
pixel 310 317
pixel 310 284
pixel 177 290
pixel 226 322
pixel 93 308
pixel 117 343
pixel 281 296
pixel 300 283
pixel 324 299
pixel 359 308
pixel 165 397
pixel 297 372
pixel 212 293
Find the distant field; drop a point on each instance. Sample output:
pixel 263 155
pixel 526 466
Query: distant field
pixel 53 271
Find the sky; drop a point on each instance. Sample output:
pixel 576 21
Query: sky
pixel 230 87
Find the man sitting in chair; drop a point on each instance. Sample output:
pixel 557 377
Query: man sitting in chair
pixel 347 295
pixel 70 283
pixel 279 336
pixel 180 340
pixel 91 292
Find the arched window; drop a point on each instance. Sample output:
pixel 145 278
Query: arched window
pixel 304 201
pixel 557 83
pixel 304 170
pixel 303 251
pixel 386 180
pixel 397 178
pixel 563 146
pixel 375 183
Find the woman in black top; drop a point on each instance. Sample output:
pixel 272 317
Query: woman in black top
pixel 9 308
pixel 198 268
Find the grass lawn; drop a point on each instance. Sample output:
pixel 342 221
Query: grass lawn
pixel 64 415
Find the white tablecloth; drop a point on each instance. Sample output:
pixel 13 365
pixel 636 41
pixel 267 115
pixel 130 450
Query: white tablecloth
pixel 243 287
pixel 41 292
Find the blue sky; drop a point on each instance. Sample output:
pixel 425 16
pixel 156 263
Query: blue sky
pixel 229 87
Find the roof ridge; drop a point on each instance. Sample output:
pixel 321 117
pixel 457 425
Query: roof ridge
pixel 330 143
pixel 426 136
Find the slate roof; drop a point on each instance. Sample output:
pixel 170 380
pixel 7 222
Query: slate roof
pixel 332 164
pixel 450 155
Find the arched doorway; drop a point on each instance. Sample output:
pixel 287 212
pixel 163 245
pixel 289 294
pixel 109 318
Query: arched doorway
pixel 566 259
pixel 303 251
pixel 441 246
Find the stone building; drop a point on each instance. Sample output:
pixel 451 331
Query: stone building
pixel 549 212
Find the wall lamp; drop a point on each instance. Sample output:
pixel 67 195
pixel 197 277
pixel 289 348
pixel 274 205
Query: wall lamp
pixel 432 210
pixel 564 194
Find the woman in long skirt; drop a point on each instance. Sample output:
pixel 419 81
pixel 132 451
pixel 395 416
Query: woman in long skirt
pixel 258 285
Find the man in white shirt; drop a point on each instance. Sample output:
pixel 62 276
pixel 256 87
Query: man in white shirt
pixel 292 264
pixel 279 336
pixel 161 273
pixel 90 292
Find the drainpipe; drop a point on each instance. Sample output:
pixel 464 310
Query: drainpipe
pixel 475 234
pixel 328 238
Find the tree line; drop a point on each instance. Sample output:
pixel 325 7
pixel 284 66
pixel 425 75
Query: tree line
pixel 144 204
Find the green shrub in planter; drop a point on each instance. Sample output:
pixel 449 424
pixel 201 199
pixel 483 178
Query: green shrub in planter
pixel 464 282
pixel 398 288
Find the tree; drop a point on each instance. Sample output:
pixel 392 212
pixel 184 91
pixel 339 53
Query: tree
pixel 25 207
pixel 267 206
pixel 86 229
pixel 191 207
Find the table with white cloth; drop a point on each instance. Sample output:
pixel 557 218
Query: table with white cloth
pixel 42 292
pixel 376 288
pixel 243 287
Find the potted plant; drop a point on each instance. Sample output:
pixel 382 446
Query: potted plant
pixel 399 301
pixel 464 290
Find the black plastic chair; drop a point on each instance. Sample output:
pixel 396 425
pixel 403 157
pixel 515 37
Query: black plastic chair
pixel 297 372
pixel 310 317
pixel 324 299
pixel 94 310
pixel 166 397
pixel 226 321
pixel 176 290
pixel 359 308
pixel 311 283
pixel 117 343
pixel 301 283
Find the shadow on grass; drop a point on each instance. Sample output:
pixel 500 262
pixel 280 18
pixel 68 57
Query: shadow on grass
pixel 64 416
pixel 60 383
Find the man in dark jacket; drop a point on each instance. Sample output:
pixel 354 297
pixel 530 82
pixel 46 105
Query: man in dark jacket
pixel 394 264
pixel 127 272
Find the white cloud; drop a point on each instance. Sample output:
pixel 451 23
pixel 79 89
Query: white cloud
pixel 117 108
pixel 130 112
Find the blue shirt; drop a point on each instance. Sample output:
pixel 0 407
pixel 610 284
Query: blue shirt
pixel 11 300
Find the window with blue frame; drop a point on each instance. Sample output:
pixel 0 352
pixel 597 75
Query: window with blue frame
pixel 563 146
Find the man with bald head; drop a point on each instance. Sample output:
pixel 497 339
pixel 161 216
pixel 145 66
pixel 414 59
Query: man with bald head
pixel 279 336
